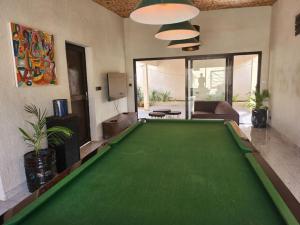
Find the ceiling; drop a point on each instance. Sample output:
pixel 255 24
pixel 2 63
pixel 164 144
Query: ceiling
pixel 124 7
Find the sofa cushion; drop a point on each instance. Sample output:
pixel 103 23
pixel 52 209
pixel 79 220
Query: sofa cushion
pixel 202 113
pixel 214 110
pixel 205 106
pixel 223 108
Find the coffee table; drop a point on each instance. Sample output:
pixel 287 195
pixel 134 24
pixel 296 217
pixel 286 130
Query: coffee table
pixel 157 114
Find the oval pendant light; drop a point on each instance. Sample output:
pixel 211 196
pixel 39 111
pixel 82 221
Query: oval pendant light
pixel 183 43
pixel 191 49
pixel 196 47
pixel 177 31
pixel 158 12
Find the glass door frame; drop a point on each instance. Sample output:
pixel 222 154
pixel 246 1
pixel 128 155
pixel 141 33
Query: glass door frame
pixel 229 72
pixel 228 78
pixel 229 57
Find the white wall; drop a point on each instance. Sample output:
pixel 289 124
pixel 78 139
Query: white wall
pixel 164 75
pixel 244 76
pixel 285 70
pixel 81 22
pixel 222 31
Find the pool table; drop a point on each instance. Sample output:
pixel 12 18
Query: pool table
pixel 165 172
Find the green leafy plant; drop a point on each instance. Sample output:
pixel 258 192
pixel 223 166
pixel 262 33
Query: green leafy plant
pixel 155 96
pixel 215 97
pixel 55 135
pixel 140 97
pixel 258 100
pixel 235 98
pixel 165 96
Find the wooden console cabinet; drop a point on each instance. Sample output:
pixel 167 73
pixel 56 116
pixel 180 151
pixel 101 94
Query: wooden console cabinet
pixel 117 124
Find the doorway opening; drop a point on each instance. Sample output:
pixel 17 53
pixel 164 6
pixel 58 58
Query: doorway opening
pixel 160 86
pixel 76 62
pixel 231 77
pixel 208 79
pixel 245 80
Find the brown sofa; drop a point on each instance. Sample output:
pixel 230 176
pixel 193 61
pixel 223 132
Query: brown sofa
pixel 214 110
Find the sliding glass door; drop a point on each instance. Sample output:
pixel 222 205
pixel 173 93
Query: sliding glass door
pixel 207 81
pixel 245 81
pixel 229 77
pixel 176 83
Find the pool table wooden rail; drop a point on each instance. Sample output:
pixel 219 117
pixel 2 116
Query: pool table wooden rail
pixel 35 195
pixel 282 189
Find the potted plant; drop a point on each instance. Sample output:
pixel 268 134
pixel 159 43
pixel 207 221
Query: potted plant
pixel 259 109
pixel 40 163
pixel 140 97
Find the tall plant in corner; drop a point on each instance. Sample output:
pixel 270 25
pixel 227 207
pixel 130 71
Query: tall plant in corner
pixel 40 162
pixel 259 108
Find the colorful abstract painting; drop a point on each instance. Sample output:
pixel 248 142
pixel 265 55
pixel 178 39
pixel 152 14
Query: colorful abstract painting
pixel 33 55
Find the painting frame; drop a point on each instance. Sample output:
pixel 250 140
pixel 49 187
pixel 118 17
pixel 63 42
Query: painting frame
pixel 33 55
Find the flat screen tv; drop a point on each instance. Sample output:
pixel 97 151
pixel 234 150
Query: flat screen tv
pixel 117 86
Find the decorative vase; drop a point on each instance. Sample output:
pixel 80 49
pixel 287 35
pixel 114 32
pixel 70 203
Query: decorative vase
pixel 39 168
pixel 60 107
pixel 259 118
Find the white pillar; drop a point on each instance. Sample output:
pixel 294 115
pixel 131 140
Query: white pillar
pixel 146 88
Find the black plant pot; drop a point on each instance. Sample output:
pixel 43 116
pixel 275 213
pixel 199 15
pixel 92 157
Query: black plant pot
pixel 259 118
pixel 39 168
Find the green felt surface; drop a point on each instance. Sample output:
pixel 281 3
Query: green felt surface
pixel 164 173
pixel 278 201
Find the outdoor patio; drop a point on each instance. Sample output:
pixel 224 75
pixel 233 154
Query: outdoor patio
pixel 243 111
pixel 172 105
pixel 240 107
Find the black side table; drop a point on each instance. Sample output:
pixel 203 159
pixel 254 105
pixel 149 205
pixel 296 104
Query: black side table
pixel 68 153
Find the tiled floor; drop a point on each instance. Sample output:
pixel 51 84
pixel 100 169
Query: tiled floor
pixel 283 157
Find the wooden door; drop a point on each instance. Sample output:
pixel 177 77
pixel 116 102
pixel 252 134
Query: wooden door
pixel 78 89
